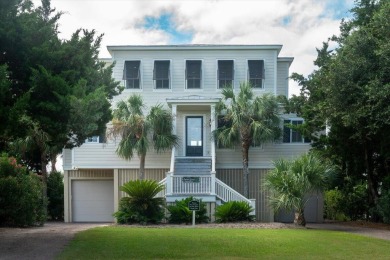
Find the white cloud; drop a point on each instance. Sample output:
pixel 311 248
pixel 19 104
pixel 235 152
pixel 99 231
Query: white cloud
pixel 300 25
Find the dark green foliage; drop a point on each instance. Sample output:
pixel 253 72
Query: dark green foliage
pixel 384 201
pixel 346 204
pixel 141 206
pixel 22 200
pixel 349 94
pixel 59 86
pixel 55 195
pixel 333 208
pixel 179 213
pixel 234 211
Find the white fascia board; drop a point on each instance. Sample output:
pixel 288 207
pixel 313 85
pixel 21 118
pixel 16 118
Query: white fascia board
pixel 113 48
pixel 192 100
pixel 286 59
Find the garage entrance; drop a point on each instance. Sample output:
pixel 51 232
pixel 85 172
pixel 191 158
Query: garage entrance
pixel 92 200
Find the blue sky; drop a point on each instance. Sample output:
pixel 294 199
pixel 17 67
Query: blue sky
pixel 299 25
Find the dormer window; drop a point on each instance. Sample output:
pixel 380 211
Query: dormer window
pixel 161 74
pixel 256 73
pixel 131 74
pixel 225 73
pixel 193 74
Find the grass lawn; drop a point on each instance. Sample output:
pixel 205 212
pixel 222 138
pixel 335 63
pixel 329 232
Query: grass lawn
pixel 118 242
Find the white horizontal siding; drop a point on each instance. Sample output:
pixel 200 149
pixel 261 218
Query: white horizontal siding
pixel 282 78
pixel 259 157
pixel 209 71
pixel 104 156
pixel 67 159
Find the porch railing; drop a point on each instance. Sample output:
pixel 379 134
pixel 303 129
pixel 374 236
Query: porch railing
pixel 202 185
pixel 226 193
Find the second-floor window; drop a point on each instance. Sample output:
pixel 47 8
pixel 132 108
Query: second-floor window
pixel 131 74
pixel 161 74
pixel 256 73
pixel 225 73
pixel 193 74
pixel 92 139
pixel 291 135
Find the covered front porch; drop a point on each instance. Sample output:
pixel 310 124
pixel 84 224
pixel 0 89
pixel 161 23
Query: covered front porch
pixel 192 166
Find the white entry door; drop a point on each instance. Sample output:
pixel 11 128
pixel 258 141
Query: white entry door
pixel 92 200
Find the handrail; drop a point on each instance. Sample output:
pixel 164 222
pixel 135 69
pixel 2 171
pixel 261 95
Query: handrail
pixel 227 193
pixel 162 193
pixel 202 185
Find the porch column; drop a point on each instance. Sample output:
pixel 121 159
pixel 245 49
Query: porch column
pixel 66 197
pixel 212 119
pixel 174 113
pixel 116 191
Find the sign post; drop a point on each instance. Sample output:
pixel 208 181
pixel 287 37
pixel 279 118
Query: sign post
pixel 193 205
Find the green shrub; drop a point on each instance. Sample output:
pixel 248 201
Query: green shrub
pixel 347 204
pixel 355 205
pixel 180 213
pixel 234 211
pixel 334 205
pixel 383 207
pixel 21 195
pixel 55 195
pixel 141 206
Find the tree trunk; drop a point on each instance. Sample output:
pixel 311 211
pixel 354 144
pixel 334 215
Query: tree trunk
pixel 142 167
pixel 299 219
pixel 53 160
pixel 245 159
pixel 44 180
pixel 371 183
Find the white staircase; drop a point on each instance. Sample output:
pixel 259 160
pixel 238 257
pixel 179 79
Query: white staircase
pixel 192 177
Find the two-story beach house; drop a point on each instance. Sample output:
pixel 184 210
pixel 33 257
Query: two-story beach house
pixel 188 80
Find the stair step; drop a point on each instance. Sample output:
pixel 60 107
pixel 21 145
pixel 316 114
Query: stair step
pixel 192 166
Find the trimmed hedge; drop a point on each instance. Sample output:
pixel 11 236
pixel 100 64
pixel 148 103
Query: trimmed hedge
pixel 22 202
pixel 55 195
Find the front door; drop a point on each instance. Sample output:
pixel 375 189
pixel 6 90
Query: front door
pixel 194 136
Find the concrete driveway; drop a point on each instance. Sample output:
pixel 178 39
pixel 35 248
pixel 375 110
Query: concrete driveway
pixel 39 242
pixel 364 231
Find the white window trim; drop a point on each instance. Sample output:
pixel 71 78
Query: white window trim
pixel 293 143
pixel 201 79
pixel 170 77
pixel 216 74
pixel 140 89
pixel 262 89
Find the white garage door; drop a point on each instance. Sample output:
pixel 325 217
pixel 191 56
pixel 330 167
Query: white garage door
pixel 92 200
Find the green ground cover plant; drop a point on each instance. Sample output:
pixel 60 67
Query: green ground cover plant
pixel 234 211
pixel 180 213
pixel 118 242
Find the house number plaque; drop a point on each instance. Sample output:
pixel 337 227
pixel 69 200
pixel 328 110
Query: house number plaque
pixel 190 179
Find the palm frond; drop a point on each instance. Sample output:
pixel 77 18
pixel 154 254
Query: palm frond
pixel 291 181
pixel 142 189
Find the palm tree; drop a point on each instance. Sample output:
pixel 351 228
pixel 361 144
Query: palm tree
pixel 249 120
pixel 138 131
pixel 290 183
